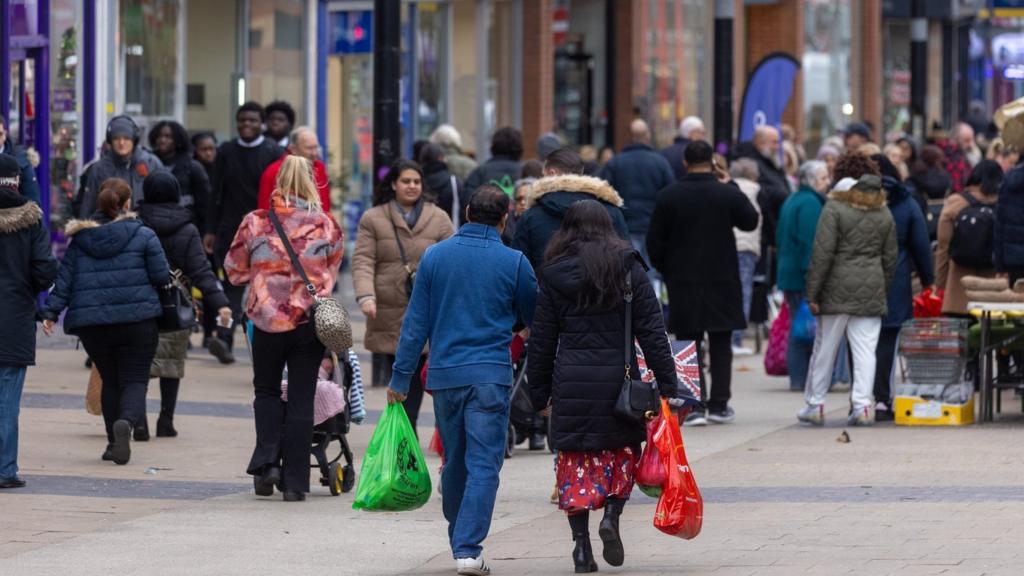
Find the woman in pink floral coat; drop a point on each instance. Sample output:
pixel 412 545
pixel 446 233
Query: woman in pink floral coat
pixel 278 307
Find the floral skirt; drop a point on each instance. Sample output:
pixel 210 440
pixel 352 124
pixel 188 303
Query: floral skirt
pixel 586 479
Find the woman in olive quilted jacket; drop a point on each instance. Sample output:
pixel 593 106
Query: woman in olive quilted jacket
pixel 852 264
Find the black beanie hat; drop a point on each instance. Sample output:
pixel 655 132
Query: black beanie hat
pixel 10 172
pixel 161 187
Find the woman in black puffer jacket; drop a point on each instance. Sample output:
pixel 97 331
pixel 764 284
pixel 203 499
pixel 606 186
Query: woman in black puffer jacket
pixel 577 354
pixel 162 211
pixel 106 282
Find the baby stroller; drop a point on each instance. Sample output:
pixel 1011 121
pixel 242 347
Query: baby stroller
pixel 523 420
pixel 337 476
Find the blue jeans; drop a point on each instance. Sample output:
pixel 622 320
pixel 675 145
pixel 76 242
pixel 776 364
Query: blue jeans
pixel 748 262
pixel 12 380
pixel 473 421
pixel 798 353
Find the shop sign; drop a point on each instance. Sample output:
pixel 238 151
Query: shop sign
pixel 352 32
pixel 63 100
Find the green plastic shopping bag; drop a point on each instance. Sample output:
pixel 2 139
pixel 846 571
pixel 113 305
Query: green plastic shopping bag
pixel 394 476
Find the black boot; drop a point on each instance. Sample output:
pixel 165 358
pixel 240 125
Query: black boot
pixel 168 400
pixel 609 532
pixel 582 554
pixel 141 431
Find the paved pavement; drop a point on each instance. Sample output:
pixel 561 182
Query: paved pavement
pixel 779 498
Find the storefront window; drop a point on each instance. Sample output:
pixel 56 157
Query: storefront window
pixel 896 48
pixel 430 34
pixel 277 66
pixel 826 69
pixel 499 106
pixel 674 56
pixel 149 52
pixel 65 108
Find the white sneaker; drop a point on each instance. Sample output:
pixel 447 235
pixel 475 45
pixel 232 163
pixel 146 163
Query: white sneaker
pixel 741 351
pixel 472 567
pixel 861 417
pixel 814 415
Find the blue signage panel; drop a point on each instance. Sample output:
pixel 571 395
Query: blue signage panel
pixel 352 32
pixel 768 90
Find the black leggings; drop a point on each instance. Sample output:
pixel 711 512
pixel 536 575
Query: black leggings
pixel 284 431
pixel 122 353
pixel 885 355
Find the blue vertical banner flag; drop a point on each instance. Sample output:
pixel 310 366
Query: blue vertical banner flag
pixel 769 88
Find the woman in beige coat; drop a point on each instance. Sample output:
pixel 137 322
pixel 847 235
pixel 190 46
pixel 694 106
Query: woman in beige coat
pixel 392 237
pixel 983 185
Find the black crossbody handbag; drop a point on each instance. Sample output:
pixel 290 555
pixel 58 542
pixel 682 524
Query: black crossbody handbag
pixel 410 279
pixel 176 305
pixel 638 400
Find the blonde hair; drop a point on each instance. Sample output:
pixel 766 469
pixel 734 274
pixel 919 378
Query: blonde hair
pixel 296 180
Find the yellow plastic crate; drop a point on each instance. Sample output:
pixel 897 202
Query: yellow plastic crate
pixel 916 411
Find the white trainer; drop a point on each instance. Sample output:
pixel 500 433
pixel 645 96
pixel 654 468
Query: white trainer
pixel 814 415
pixel 472 567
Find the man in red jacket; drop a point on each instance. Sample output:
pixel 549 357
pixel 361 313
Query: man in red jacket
pixel 302 142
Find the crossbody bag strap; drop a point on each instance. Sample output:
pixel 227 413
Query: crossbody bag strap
pixel 628 331
pixel 398 240
pixel 291 253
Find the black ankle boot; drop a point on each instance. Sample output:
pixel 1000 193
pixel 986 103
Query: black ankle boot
pixel 583 554
pixel 141 431
pixel 609 532
pixel 165 427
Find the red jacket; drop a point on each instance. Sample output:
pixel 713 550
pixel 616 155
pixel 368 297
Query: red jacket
pixel 269 180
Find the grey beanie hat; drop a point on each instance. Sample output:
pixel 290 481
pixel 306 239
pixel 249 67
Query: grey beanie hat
pixel 548 143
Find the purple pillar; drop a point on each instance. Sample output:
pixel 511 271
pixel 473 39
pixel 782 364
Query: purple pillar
pixel 43 137
pixel 87 66
pixel 5 59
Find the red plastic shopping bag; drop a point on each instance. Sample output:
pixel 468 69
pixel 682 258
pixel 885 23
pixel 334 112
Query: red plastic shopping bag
pixel 928 304
pixel 680 510
pixel 650 471
pixel 778 340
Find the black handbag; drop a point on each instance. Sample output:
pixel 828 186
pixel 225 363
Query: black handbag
pixel 638 400
pixel 410 279
pixel 177 308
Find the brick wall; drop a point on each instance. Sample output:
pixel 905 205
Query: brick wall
pixel 777 28
pixel 626 60
pixel 538 74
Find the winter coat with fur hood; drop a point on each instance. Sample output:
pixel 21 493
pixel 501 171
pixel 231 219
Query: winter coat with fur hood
pixel 27 267
pixel 109 273
pixel 855 252
pixel 550 198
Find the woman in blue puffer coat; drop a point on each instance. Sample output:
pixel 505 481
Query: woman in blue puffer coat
pixel 106 282
pixel 915 254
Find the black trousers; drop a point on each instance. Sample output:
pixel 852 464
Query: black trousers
pixel 414 399
pixel 885 355
pixel 284 430
pixel 122 353
pixel 720 352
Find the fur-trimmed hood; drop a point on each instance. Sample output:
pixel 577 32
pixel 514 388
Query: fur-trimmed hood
pixel 859 199
pixel 20 217
pixel 77 225
pixel 103 238
pixel 863 194
pixel 595 187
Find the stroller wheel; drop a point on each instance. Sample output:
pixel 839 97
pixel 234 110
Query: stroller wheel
pixel 349 480
pixel 335 477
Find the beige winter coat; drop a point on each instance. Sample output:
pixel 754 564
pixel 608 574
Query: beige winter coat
pixel 377 269
pixel 749 241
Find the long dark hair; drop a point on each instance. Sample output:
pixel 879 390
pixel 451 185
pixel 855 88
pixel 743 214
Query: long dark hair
pixel 178 134
pixel 385 191
pixel 588 234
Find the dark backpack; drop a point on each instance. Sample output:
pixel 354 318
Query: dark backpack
pixel 973 232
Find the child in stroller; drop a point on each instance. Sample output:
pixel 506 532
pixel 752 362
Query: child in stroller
pixel 338 403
